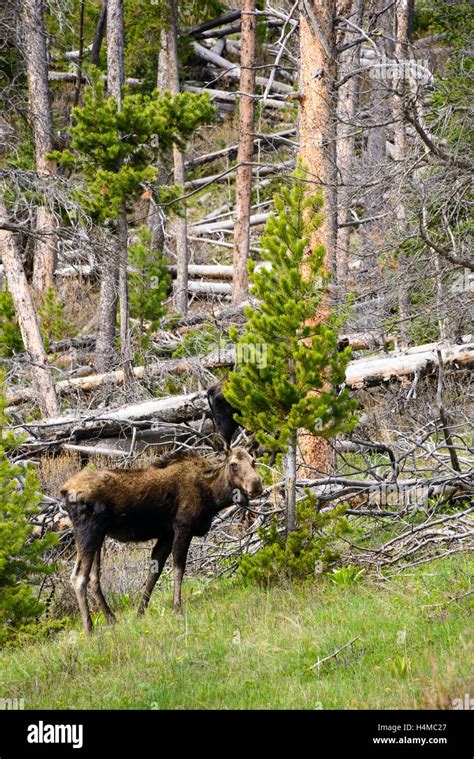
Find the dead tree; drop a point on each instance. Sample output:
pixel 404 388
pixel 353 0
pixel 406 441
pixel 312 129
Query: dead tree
pixel 36 51
pixel 27 319
pixel 245 152
pixel 114 265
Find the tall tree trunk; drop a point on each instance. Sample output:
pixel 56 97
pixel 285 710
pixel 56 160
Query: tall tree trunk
pixel 114 263
pixel 402 18
pixel 36 50
pixel 317 137
pixel 243 186
pixel 155 216
pixel 347 105
pixel 28 321
pixel 181 299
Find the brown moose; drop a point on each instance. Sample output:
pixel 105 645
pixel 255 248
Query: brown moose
pixel 171 501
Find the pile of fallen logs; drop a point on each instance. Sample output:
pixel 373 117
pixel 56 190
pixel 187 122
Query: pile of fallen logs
pixel 405 365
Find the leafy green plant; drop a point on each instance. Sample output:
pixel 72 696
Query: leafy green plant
pixel 308 551
pixel 400 666
pixel 348 575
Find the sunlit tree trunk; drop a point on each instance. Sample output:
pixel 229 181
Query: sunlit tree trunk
pixel 243 187
pixel 317 137
pixel 36 52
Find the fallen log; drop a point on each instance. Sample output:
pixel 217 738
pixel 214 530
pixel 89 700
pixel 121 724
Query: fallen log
pixel 234 97
pixel 227 225
pixel 232 70
pixel 221 358
pixel 215 270
pixel 257 171
pixel 213 23
pixel 423 359
pixel 210 288
pixel 365 372
pixel 68 76
pixel 172 409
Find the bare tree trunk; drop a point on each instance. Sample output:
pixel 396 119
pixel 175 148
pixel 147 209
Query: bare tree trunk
pixel 400 147
pixel 155 216
pixel 114 264
pixel 317 136
pixel 243 187
pixel 178 170
pixel 99 34
pixel 36 50
pixel 115 50
pixel 28 321
pixel 347 104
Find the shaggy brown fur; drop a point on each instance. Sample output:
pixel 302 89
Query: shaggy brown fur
pixel 172 500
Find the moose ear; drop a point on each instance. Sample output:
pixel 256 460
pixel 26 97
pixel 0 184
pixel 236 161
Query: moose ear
pixel 219 444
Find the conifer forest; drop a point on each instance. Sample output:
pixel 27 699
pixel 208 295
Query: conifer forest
pixel 236 355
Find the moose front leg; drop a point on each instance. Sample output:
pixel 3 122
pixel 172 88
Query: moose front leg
pixel 160 553
pixel 181 544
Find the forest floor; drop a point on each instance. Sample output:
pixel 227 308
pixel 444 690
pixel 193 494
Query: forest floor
pixel 238 646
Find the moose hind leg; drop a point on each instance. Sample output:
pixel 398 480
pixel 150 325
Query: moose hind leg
pixel 160 553
pixel 79 580
pixel 89 531
pixel 96 588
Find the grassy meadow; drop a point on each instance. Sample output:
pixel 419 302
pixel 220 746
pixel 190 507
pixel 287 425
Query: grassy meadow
pixel 239 646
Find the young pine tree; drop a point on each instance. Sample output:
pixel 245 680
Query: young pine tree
pixel 149 283
pixel 295 382
pixel 21 557
pixel 117 151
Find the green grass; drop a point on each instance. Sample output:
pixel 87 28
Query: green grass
pixel 240 646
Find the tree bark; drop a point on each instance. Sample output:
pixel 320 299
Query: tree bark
pixel 114 271
pixel 402 18
pixel 27 319
pixel 347 104
pixel 36 51
pixel 243 188
pixel 181 292
pixel 317 137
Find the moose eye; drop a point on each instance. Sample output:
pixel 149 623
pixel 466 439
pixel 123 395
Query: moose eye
pixel 234 467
